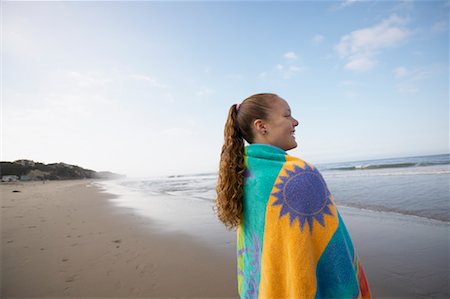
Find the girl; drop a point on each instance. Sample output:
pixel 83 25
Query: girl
pixel 292 242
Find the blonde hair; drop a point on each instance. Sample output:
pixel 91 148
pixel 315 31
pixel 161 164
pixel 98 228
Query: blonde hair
pixel 230 184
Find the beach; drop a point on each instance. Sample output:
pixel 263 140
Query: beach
pixel 77 239
pixel 65 239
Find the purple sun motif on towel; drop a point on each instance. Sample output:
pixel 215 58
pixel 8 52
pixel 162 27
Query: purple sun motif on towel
pixel 303 194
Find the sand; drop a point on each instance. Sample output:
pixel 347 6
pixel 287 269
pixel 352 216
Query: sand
pixel 69 239
pixel 64 239
pixel 403 256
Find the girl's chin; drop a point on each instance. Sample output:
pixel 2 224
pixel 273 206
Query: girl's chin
pixel 294 142
pixel 292 146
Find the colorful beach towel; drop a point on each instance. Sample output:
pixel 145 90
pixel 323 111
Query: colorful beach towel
pixel 292 242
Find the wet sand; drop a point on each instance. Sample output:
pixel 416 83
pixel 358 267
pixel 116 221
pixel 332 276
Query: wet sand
pixel 403 256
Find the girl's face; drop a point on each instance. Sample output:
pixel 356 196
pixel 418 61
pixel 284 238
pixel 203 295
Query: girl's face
pixel 281 126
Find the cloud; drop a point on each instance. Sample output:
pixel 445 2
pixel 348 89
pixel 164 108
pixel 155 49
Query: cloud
pixel 285 70
pixel 347 3
pixel 360 48
pixel 361 63
pixel 400 72
pixel 290 56
pixel 288 71
pixel 150 80
pixel 318 39
pixel 79 93
pixel 408 78
pixel 337 5
pixel 263 74
pixel 414 74
pixel 204 91
pixel 440 27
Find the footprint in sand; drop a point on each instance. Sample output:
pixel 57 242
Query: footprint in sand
pixel 71 278
pixel 64 260
pixel 141 268
pixel 117 242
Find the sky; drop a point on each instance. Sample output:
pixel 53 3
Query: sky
pixel 143 88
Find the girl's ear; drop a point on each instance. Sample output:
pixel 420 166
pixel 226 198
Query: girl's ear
pixel 259 126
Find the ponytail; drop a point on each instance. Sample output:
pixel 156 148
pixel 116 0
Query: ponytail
pixel 238 127
pixel 230 185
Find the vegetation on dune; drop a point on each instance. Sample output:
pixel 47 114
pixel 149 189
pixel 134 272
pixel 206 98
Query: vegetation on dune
pixel 30 170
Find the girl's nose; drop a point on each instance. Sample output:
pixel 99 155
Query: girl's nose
pixel 295 122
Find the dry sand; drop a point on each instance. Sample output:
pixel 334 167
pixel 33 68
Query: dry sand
pixel 64 239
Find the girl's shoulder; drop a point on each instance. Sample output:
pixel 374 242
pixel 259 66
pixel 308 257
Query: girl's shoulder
pixel 298 171
pixel 294 161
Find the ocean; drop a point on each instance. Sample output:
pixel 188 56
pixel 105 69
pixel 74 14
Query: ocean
pixel 412 186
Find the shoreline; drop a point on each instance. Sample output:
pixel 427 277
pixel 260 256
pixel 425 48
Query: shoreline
pixel 65 239
pixel 169 213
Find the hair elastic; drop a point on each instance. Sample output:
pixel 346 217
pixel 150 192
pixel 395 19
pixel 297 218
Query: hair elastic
pixel 237 107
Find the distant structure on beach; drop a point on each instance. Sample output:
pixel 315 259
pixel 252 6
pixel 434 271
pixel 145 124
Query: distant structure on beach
pixel 28 170
pixel 10 178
